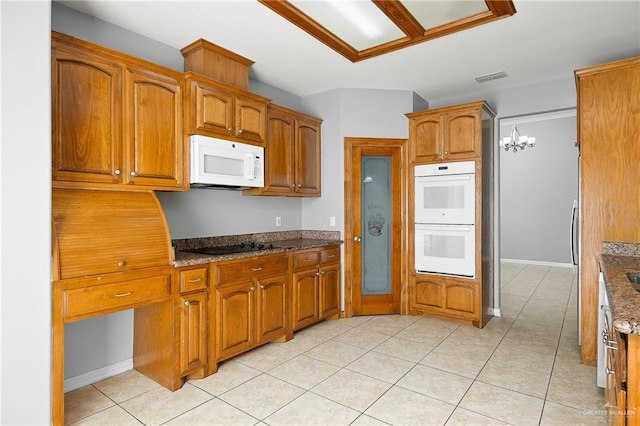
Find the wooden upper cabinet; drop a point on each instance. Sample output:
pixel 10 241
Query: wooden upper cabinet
pixel 292 154
pixel 219 110
pixel 443 134
pixel 154 132
pixel 86 110
pixel 116 120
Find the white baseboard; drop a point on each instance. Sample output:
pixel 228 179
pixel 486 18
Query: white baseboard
pixel 537 262
pixel 496 312
pixel 85 379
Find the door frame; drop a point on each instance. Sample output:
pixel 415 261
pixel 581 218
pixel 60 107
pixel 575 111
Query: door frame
pixel 349 144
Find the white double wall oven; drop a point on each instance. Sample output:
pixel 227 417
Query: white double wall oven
pixel 445 235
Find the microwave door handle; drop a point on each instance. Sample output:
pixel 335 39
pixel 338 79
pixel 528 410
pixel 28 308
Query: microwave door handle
pixel 250 166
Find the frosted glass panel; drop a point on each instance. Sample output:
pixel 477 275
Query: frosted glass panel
pixel 376 222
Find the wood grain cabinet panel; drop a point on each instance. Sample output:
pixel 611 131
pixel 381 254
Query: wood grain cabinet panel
pixel 193 331
pixel 316 286
pixel 219 110
pixel 117 120
pixel 292 154
pixel 445 134
pixel 251 304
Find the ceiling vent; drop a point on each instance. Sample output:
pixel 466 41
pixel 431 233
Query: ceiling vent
pixel 493 76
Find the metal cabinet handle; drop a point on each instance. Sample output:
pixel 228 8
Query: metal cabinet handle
pixel 230 129
pixel 293 185
pixel 608 371
pixel 116 172
pixel 357 239
pixel 262 287
pixel 128 293
pixel 252 288
pixel 196 280
pixel 121 263
pixel 187 303
pixel 240 131
pixel 318 273
pixel 133 173
pixel 446 152
pixel 256 269
pixel 299 185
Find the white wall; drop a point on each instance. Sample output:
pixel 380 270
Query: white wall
pixel 537 189
pixel 25 213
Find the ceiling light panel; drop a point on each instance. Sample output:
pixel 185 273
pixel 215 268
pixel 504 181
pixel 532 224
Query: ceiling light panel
pixel 435 13
pixel 359 23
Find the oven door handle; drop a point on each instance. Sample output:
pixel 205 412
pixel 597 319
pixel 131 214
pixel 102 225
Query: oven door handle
pixel 443 178
pixel 448 228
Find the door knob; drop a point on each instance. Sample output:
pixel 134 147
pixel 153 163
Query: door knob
pixel 357 239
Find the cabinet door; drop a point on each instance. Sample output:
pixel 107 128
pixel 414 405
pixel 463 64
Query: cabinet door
pixel 428 294
pixel 463 139
pixel 193 331
pixel 279 153
pixel 329 291
pixel 426 137
pixel 307 160
pixel 86 117
pixel 460 298
pixel 214 110
pixel 305 298
pixel 155 143
pixel 235 319
pixel 250 119
pixel 271 317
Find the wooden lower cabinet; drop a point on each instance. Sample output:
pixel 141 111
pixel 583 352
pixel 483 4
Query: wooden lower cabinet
pixel 315 286
pixel 622 379
pixel 250 304
pixel 446 297
pixel 193 319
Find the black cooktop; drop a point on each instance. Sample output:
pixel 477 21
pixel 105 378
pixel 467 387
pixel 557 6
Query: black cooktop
pixel 239 248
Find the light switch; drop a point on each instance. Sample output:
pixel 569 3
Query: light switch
pixel 332 221
pixel 278 221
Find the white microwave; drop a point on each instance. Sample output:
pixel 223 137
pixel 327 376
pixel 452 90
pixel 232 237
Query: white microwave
pixel 225 164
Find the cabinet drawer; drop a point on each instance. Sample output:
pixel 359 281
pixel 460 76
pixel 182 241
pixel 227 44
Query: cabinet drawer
pixel 116 296
pixel 330 255
pixel 305 260
pixel 256 267
pixel 193 279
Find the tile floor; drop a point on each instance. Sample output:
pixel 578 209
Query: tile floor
pixel 522 369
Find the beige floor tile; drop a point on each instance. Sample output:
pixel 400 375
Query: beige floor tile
pixel 580 395
pixel 447 360
pixel 262 396
pixel 303 341
pixel 426 333
pixel 380 366
pixel 404 349
pixel 336 353
pixel 390 324
pixel 572 369
pixel 362 337
pixel 303 371
pixel 84 402
pixel 352 389
pixel 365 420
pixel 404 407
pixel 462 417
pixel 556 414
pixel 516 357
pixel 161 405
pixel 213 413
pixel 266 357
pixel 111 416
pixel 312 409
pixel 126 385
pixel 503 404
pixel 516 379
pixel 435 383
pixel 230 374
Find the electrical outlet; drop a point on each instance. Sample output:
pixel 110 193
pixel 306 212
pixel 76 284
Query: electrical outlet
pixel 278 221
pixel 332 221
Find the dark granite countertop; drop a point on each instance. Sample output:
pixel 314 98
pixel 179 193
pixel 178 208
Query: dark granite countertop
pixel 624 301
pixel 283 242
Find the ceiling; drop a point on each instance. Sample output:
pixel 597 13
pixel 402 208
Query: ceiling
pixel 544 40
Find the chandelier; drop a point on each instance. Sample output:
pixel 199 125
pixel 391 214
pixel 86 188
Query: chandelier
pixel 515 140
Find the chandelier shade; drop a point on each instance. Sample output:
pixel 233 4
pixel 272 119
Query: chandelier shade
pixel 515 140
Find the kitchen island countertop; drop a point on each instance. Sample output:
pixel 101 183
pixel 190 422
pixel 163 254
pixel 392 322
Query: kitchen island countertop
pixel 624 301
